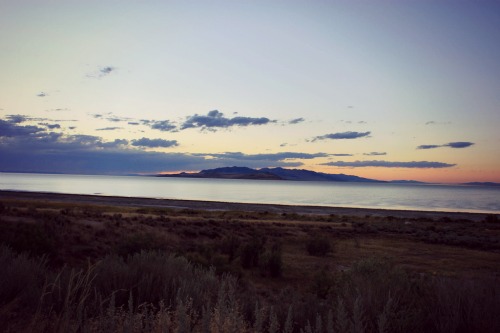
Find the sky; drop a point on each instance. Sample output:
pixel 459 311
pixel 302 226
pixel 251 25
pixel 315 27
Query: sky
pixel 379 89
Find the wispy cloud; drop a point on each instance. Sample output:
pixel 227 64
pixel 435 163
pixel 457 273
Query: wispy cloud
pixel 375 153
pixel 428 146
pixel 432 122
pixel 296 121
pixel 106 70
pixel 390 164
pixel 339 155
pixel 57 110
pixel 342 136
pixel 456 145
pixel 50 126
pixel 154 143
pixel 281 156
pixel 110 117
pixel 102 72
pixel 42 94
pixel 109 128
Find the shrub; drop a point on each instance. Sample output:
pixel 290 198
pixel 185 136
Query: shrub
pixel 21 279
pixel 323 283
pixel 139 242
pixel 35 239
pixel 251 252
pixel 318 246
pixel 230 245
pixel 491 218
pixel 272 262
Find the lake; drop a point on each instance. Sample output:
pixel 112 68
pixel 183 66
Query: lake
pixel 426 197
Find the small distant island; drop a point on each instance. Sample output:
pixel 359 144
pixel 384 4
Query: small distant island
pixel 271 174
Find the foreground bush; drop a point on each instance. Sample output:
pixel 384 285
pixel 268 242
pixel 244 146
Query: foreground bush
pixel 158 292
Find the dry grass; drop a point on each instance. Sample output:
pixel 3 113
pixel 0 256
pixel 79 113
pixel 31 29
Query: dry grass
pixel 90 231
pixel 75 235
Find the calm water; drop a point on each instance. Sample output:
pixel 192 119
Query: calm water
pixel 386 196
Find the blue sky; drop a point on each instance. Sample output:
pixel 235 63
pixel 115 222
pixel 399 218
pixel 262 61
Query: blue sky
pixel 380 89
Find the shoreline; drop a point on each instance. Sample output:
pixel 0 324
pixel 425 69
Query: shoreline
pixel 232 206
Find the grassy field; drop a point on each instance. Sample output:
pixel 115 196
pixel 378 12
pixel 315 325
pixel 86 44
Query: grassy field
pixel 73 266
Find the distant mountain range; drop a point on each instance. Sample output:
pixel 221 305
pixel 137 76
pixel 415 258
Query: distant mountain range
pixel 294 174
pixel 271 174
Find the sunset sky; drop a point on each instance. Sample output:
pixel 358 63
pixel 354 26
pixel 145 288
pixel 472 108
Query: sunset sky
pixel 378 89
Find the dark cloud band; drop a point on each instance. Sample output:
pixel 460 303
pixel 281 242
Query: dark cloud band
pixel 388 164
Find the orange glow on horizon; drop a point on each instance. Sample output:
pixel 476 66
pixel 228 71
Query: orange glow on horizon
pixel 424 175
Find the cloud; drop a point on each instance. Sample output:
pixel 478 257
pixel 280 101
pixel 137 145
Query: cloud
pixel 154 143
pixel 428 146
pixel 459 144
pixel 211 121
pixel 115 119
pixel 109 128
pixel 57 110
pixel 215 119
pixel 162 125
pixel 389 164
pixel 19 118
pixel 33 149
pixel 341 154
pixel 106 70
pixel 432 122
pixel 342 135
pixel 102 72
pixel 86 154
pixel 456 145
pixel 9 129
pixel 266 157
pixel 50 126
pixel 42 94
pixel 374 153
pixel 16 118
pixel 109 117
pixel 118 143
pixel 98 161
pixel 296 121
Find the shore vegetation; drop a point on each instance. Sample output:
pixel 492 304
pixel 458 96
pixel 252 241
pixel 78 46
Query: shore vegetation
pixel 73 267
